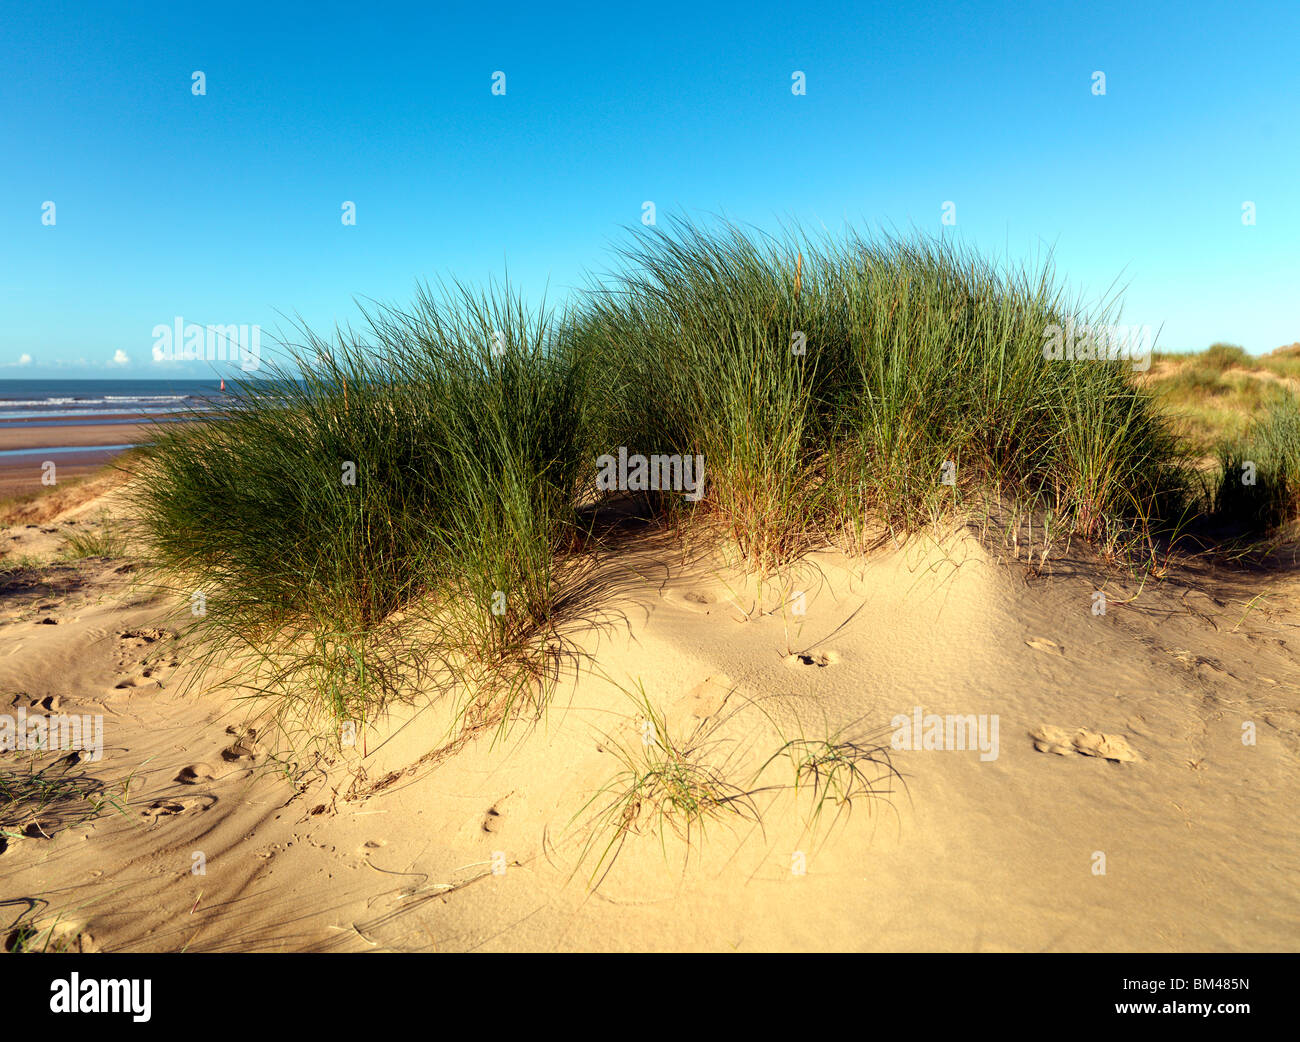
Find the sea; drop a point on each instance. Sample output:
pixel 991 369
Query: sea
pixel 44 403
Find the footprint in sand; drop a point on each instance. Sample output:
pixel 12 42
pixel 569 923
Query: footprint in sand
pixel 150 674
pixel 1043 644
pixel 178 805
pixel 243 748
pixel 820 659
pixel 700 601
pixel 195 774
pixel 706 698
pixel 141 637
pixel 1064 742
pixel 50 703
pixel 494 819
pixel 137 671
pixel 134 640
pixel 238 751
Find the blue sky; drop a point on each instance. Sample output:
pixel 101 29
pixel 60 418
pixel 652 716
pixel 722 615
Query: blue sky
pixel 226 208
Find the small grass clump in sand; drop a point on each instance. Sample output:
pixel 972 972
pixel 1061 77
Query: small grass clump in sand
pixel 29 937
pixel 838 769
pixel 38 799
pixel 667 784
pixel 105 539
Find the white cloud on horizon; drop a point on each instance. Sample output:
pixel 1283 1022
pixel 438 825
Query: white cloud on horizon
pixel 120 358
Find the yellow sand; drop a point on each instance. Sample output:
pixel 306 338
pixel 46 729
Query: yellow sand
pixel 1197 831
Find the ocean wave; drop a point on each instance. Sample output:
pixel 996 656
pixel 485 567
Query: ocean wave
pixel 115 400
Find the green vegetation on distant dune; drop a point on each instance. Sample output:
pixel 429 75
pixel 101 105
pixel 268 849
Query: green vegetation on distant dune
pixel 1216 394
pixel 1260 483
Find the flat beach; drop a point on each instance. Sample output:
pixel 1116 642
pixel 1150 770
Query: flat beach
pixel 76 449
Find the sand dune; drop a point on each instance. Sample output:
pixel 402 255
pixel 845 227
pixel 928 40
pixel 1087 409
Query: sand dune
pixel 1119 746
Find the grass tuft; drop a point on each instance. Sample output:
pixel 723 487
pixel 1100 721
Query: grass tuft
pixel 37 801
pixel 838 769
pixel 666 785
pixel 425 467
pixel 104 540
pixel 832 383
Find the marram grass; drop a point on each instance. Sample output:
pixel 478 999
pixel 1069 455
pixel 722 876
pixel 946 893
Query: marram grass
pixel 426 467
pixel 830 381
pixel 438 465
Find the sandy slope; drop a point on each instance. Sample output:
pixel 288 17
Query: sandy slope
pixel 380 851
